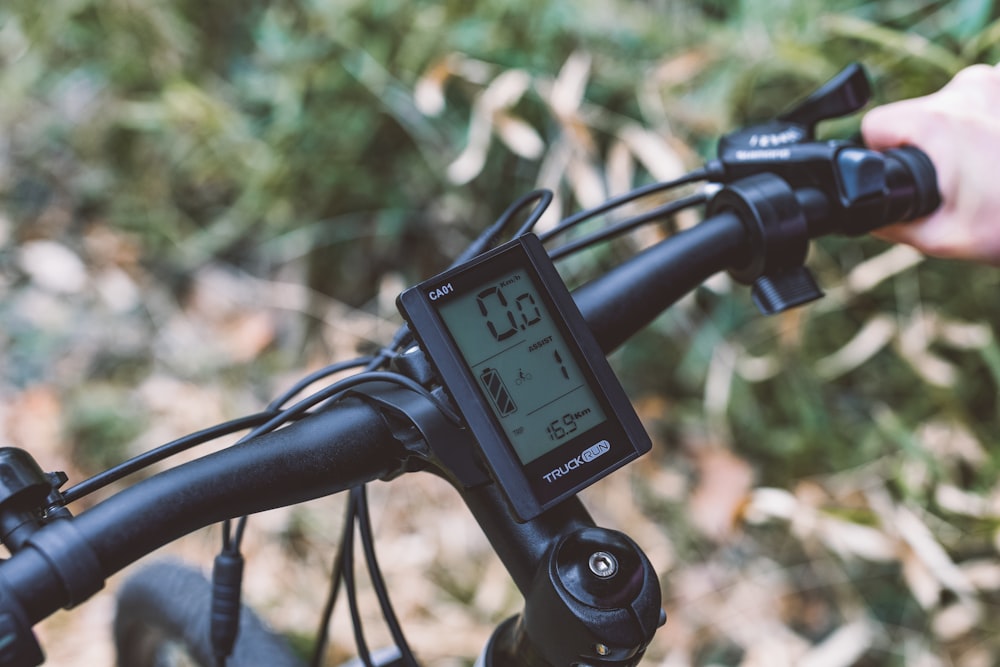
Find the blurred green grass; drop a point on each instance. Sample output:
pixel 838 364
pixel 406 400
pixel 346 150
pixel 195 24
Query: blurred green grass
pixel 288 143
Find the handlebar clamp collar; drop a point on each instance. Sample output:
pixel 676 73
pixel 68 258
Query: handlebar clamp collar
pixel 72 558
pixel 776 225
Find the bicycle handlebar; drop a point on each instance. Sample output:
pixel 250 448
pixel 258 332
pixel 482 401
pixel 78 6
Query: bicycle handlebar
pixel 329 452
pixel 752 220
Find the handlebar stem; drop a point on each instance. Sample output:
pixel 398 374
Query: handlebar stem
pixel 594 599
pixel 591 595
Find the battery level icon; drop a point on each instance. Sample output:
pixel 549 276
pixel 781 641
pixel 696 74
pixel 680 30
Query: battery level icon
pixel 497 391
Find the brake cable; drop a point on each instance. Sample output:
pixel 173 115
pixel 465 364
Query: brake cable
pixel 146 459
pixel 693 176
pixel 628 225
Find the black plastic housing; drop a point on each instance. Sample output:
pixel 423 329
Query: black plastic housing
pixel 570 465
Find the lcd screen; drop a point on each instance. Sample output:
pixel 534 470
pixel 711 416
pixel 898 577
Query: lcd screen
pixel 508 338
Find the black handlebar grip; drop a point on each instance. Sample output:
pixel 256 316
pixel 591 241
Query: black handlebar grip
pixel 912 184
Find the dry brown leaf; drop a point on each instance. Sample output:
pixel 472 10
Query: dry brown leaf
pixel 925 548
pixel 579 135
pixel 853 540
pixel 677 657
pixel 554 164
pixel 951 441
pixel 924 586
pixel 90 620
pixel 681 68
pixel 620 168
pixel 428 93
pixel 872 272
pixel 652 409
pixel 117 289
pixel 742 604
pixel 812 493
pixel 552 216
pixel 773 645
pixel 978 656
pixel 661 110
pixel 846 538
pixel 957 619
pixel 652 151
pixel 473 70
pixel 112 247
pixel 983 573
pixel 873 337
pixel 913 345
pixel 520 137
pixel 718 388
pixel 964 335
pixel 959 501
pixel 471 160
pixel 770 503
pixel 757 368
pixel 722 492
pixel 586 182
pixel 570 85
pixel 53 266
pixel 503 92
pixel 842 648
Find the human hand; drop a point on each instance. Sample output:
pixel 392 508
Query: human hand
pixel 959 129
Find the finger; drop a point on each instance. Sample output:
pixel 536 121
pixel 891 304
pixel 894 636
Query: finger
pixel 901 232
pixel 890 125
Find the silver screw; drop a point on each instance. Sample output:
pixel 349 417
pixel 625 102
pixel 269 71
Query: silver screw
pixel 601 649
pixel 603 564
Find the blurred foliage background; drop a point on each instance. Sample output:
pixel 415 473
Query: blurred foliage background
pixel 199 201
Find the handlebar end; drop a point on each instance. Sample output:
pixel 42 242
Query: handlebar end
pixel 912 180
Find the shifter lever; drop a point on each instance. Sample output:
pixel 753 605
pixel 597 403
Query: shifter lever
pixel 842 95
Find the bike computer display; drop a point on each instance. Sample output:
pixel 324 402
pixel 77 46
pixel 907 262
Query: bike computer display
pixel 519 361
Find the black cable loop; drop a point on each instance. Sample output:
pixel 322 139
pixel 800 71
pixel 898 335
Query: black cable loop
pixel 146 459
pixel 628 225
pixel 349 584
pixel 613 203
pixel 378 582
pixel 490 235
pixel 336 577
pixel 316 376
